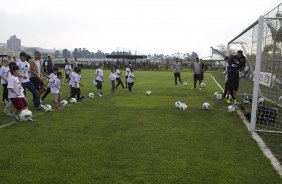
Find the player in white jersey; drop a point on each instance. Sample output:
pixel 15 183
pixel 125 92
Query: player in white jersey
pixel 16 92
pixel 112 78
pixel 4 80
pixel 76 84
pixel 67 72
pixel 118 78
pixel 99 78
pixel 127 71
pixel 24 67
pixel 55 86
pixel 52 75
pixel 130 79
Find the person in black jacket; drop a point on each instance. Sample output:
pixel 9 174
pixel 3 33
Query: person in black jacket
pixel 235 64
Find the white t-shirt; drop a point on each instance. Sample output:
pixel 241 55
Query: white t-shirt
pixel 55 85
pixel 112 76
pixel 67 69
pixel 24 70
pixel 130 78
pixel 117 73
pixel 14 83
pixel 51 76
pixel 99 74
pixel 75 80
pixel 127 71
pixel 4 73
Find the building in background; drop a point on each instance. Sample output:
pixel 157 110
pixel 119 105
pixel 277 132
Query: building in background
pixel 14 44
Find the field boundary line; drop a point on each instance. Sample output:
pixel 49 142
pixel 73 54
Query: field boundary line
pixel 263 147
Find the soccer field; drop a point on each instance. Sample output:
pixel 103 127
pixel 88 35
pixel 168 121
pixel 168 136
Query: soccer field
pixel 128 137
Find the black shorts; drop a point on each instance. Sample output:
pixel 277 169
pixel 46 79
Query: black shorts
pixel 177 74
pixel 37 83
pixel 99 84
pixel 232 83
pixel 67 76
pixel 197 76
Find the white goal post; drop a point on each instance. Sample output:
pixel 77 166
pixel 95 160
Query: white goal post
pixel 261 43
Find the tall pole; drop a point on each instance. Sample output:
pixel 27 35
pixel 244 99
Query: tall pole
pixel 257 74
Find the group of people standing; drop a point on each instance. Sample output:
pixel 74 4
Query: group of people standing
pixel 234 65
pixel 198 68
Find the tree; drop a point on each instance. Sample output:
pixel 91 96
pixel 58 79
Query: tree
pixel 194 55
pixel 66 53
pixel 276 34
pixel 57 53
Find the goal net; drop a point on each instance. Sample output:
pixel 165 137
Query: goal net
pixel 261 79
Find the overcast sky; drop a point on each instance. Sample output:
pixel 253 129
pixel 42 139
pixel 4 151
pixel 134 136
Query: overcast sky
pixel 150 26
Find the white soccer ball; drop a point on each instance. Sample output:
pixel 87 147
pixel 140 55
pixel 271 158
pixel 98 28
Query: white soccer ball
pixel 280 98
pixel 185 84
pixel 260 100
pixel 148 92
pixel 47 108
pixel 202 85
pixel 231 108
pixel 183 106
pixel 246 100
pixel 25 115
pixel 215 94
pixel 64 103
pixel 206 106
pixel 177 104
pixel 73 100
pixel 219 96
pixel 91 95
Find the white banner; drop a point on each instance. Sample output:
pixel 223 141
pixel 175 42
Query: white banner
pixel 265 78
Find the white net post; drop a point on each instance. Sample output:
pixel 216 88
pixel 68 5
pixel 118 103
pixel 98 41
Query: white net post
pixel 262 46
pixel 257 74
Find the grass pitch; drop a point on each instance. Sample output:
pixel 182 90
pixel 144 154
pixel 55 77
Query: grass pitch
pixel 128 137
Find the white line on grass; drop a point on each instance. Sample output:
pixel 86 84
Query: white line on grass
pixel 266 151
pixel 13 122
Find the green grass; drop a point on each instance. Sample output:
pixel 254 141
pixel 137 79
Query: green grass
pixel 133 138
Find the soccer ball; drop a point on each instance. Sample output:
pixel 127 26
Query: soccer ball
pixel 47 108
pixel 91 95
pixel 260 100
pixel 202 85
pixel 215 94
pixel 73 100
pixel 148 92
pixel 183 106
pixel 280 98
pixel 177 104
pixel 206 106
pixel 246 100
pixel 64 103
pixel 25 115
pixel 231 108
pixel 219 96
pixel 185 84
